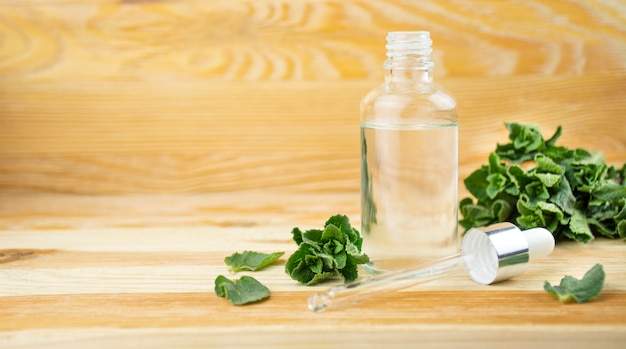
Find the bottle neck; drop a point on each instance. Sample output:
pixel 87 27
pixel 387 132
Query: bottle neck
pixel 408 57
pixel 409 73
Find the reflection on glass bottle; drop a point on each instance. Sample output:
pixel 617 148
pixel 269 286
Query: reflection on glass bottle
pixel 409 152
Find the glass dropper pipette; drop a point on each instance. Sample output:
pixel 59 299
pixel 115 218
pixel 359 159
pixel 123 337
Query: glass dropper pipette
pixel 490 254
pixel 385 282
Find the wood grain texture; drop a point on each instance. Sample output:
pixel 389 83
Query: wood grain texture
pixel 143 141
pixel 139 270
pixel 113 97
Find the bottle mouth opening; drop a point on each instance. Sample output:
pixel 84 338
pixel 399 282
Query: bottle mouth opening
pixel 408 47
pixel 408 43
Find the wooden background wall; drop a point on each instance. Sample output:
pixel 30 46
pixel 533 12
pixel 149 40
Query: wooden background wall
pixel 173 96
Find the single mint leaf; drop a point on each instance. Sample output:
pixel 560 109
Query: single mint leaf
pixel 609 191
pixel 573 290
pixel 495 165
pixel 319 277
pixel 350 273
pixel 579 228
pixel 296 235
pixel 551 216
pixel 474 215
pixel 352 249
pixel 537 191
pixel 519 179
pixel 547 165
pixel 341 259
pixel 355 259
pixel 356 238
pixel 312 237
pixel 243 291
pixel 501 209
pixel 549 180
pixel 343 223
pixel 552 140
pixel 526 142
pixel 497 183
pixel 525 136
pixel 339 220
pixel 621 229
pixel 297 267
pixel 477 183
pixel 563 197
pixel 251 260
pixel 333 232
pixel 598 227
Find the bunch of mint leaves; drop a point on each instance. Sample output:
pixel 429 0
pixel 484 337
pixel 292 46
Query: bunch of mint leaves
pixel 535 183
pixel 321 254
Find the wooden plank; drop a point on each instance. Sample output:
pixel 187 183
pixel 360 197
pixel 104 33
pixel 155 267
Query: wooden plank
pixel 289 309
pixel 97 283
pixel 51 214
pixel 136 146
pixel 247 110
pixel 106 97
pixel 302 40
pixel 279 118
pixel 434 336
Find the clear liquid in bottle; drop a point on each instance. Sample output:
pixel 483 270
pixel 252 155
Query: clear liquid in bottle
pixel 409 161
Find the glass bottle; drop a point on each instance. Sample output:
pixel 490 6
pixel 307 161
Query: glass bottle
pixel 409 158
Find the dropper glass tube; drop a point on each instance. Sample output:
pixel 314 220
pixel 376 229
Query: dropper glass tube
pixel 343 295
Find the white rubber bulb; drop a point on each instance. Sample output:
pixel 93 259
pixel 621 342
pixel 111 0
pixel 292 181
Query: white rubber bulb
pixel 540 242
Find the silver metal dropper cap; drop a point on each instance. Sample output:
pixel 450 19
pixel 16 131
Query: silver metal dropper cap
pixel 502 250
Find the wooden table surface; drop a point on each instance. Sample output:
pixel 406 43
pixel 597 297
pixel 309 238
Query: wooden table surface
pixel 141 142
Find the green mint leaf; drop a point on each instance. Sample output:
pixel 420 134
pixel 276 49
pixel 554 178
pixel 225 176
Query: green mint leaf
pixel 547 165
pixel 350 272
pixel 322 254
pixel 313 238
pixel 526 142
pixel 296 235
pixel 552 140
pixel 251 260
pixel 537 183
pixel 513 185
pixel 600 228
pixel 497 184
pixel 563 196
pixel 343 223
pixel 341 260
pixel 609 191
pixel 477 183
pixel 297 266
pixel 474 215
pixel 332 232
pixel 495 165
pixel 535 192
pixel 573 290
pixel 621 229
pixel 243 291
pixel 548 180
pixel 585 176
pixel 339 220
pixel 539 214
pixel 579 228
pixel 501 210
pixel 356 239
